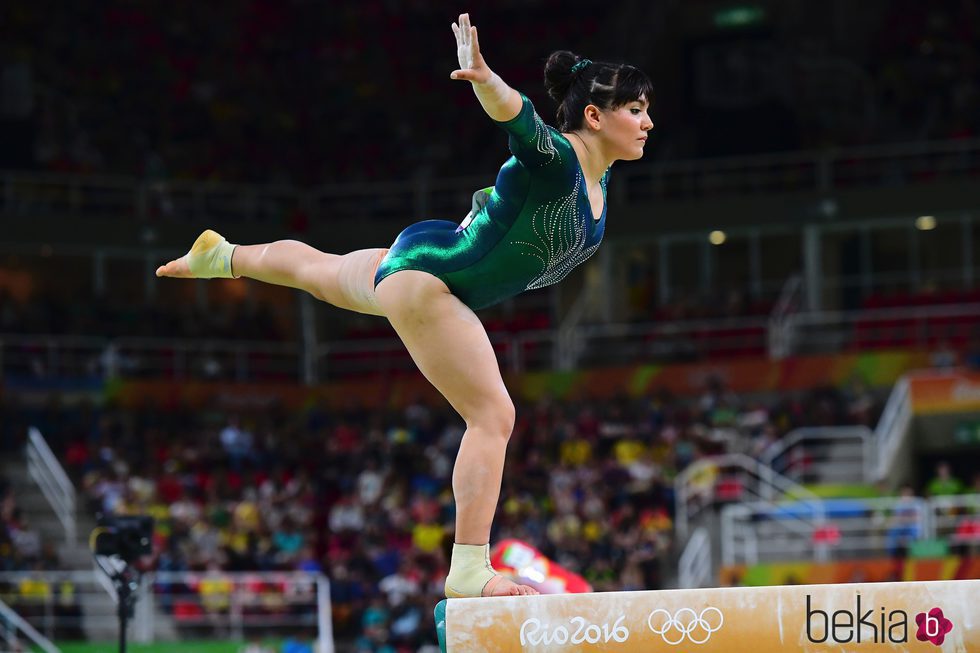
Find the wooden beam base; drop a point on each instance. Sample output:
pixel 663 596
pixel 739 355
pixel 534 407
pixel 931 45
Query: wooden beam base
pixel 929 616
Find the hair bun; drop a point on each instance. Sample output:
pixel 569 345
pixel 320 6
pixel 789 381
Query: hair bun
pixel 558 75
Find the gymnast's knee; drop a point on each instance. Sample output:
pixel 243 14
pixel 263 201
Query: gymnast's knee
pixel 495 418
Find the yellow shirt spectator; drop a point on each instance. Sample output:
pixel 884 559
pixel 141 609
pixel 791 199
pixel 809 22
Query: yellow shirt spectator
pixel 34 590
pixel 427 537
pixel 215 590
pixel 161 518
pixel 247 516
pixel 628 451
pixel 592 531
pixel 234 539
pixel 575 452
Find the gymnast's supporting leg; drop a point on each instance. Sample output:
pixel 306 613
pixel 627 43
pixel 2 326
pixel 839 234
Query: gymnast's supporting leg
pixel 336 279
pixel 450 346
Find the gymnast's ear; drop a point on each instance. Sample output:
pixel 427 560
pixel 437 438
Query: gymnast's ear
pixel 591 115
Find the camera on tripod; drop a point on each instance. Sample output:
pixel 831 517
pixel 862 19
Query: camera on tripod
pixel 126 536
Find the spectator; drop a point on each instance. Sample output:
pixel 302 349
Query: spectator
pixel 400 586
pixel 237 443
pixel 944 483
pixel 903 527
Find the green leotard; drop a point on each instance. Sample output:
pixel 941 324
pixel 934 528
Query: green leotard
pixel 528 231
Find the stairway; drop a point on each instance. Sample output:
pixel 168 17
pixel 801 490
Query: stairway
pixel 823 455
pixel 40 516
pixel 100 622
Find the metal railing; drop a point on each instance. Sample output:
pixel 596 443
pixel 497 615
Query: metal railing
pixel 885 165
pixel 703 483
pixel 824 331
pixel 243 604
pixel 50 476
pixel 757 532
pixel 73 605
pixel 840 454
pixel 893 428
pixel 30 193
pixel 93 357
pixel 11 623
pixel 585 344
pixel 694 566
pixel 848 528
pixel 614 344
pixel 956 519
pixel 789 301
pixel 62 605
pixel 69 356
pixel 83 196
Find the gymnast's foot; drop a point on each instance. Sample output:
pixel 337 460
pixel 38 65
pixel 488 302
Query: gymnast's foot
pixel 500 586
pixel 496 586
pixel 209 258
pixel 471 575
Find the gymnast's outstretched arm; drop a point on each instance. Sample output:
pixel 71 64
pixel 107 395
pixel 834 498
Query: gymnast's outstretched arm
pixel 500 101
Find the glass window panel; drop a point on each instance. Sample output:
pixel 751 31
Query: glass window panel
pixel 684 267
pixel 781 257
pixel 975 233
pixel 841 266
pixel 731 290
pixel 941 256
pixel 732 265
pixel 891 260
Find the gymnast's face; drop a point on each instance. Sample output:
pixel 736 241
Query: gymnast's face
pixel 624 129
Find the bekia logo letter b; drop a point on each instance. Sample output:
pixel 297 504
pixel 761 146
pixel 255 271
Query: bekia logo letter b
pixel 933 626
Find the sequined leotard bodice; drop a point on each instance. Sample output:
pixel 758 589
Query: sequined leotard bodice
pixel 528 231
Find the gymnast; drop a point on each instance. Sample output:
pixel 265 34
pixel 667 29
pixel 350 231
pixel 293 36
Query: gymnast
pixel 544 215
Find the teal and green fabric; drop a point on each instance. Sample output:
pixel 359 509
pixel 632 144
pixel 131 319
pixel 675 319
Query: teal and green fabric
pixel 440 616
pixel 527 231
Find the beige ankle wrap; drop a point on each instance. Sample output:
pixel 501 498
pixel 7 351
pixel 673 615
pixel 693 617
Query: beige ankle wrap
pixel 469 571
pixel 210 257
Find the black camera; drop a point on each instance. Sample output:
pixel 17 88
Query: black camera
pixel 128 537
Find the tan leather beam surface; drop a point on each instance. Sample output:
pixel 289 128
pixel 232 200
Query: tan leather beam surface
pixel 930 616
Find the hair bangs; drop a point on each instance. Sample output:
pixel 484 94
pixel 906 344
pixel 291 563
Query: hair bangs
pixel 632 85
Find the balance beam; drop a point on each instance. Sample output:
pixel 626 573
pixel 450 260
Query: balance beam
pixel 930 616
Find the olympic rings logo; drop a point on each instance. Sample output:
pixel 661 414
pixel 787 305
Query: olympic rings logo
pixel 686 623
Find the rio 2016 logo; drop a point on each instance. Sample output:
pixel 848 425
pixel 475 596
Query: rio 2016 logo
pixel 534 633
pixel 685 624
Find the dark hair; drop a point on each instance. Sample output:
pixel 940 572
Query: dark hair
pixel 606 85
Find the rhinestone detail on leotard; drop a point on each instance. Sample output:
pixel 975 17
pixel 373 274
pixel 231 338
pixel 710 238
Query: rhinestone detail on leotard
pixel 561 238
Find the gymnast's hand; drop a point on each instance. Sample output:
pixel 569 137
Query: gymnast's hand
pixel 472 67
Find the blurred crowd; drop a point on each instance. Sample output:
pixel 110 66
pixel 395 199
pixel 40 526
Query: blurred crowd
pixel 926 63
pixel 296 93
pixel 364 496
pixel 308 93
pixel 110 317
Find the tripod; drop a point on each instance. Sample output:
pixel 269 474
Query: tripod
pixel 126 581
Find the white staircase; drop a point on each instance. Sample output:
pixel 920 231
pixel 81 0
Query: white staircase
pixel 43 501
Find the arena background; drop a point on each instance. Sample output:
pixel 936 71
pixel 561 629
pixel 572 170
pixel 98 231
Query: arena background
pixel 767 375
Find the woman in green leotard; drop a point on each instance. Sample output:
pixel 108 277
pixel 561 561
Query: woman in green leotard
pixel 545 214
